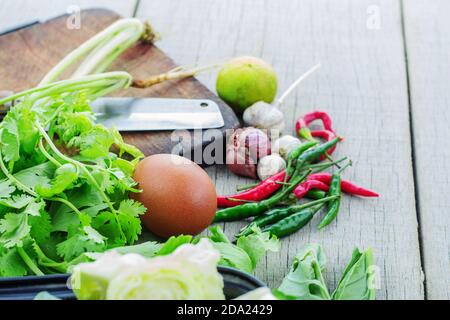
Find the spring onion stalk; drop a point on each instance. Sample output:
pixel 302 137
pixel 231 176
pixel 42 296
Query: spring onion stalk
pixel 101 50
pixel 93 85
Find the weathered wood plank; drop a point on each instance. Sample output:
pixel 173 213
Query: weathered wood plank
pixel 16 12
pixel 428 45
pixel 362 84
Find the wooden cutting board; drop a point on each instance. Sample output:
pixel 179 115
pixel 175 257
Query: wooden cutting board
pixel 28 54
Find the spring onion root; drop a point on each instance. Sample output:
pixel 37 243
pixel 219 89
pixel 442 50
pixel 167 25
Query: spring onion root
pixel 176 73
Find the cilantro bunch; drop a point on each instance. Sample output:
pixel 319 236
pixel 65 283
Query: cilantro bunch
pixel 64 180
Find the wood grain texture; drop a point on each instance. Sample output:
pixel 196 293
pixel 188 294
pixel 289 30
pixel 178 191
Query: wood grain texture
pixel 428 45
pixel 363 85
pixel 23 11
pixel 26 56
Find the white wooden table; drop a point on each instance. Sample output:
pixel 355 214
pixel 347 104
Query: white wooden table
pixel 384 79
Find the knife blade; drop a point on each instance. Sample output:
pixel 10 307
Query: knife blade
pixel 156 114
pixel 153 114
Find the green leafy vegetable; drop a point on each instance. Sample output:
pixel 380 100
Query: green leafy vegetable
pixel 257 244
pixel 172 244
pixel 305 280
pixel 357 282
pixel 64 194
pixel 247 251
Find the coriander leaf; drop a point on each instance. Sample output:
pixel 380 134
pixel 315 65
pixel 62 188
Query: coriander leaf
pixel 93 235
pixel 37 175
pixel 85 197
pixel 173 243
pixel 305 280
pixel 41 227
pixel 356 282
pixel 76 245
pixel 34 208
pixel 70 125
pixel 132 208
pixel 6 189
pixel 11 264
pixel 125 166
pixel 17 201
pixel 9 139
pixel 129 212
pixel 94 210
pixel 131 227
pixel 103 179
pixel 14 229
pixel 28 133
pixel 63 219
pixel 106 224
pixel 65 177
pixel 95 143
pixel 257 244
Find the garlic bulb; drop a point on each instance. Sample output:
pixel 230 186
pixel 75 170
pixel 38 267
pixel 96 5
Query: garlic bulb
pixel 284 145
pixel 270 165
pixel 265 116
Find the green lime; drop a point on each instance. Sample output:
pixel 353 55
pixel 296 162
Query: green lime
pixel 246 80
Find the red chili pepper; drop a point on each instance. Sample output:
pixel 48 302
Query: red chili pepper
pixel 327 136
pixel 304 187
pixel 302 124
pixel 262 191
pixel 346 186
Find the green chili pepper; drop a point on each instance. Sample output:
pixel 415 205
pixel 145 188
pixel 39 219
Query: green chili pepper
pixel 334 205
pixel 293 155
pixel 275 215
pixel 254 209
pixel 313 154
pixel 292 223
pixel 316 194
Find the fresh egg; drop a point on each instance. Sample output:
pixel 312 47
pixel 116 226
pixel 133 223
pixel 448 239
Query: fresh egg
pixel 179 195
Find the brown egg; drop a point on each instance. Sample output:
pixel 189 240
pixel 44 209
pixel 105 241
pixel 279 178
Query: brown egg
pixel 178 194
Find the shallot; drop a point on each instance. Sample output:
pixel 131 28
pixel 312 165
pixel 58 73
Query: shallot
pixel 245 147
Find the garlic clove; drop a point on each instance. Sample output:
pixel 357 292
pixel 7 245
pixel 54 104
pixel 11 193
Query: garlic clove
pixel 284 145
pixel 270 165
pixel 264 116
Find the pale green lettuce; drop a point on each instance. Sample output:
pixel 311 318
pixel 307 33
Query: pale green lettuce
pixel 189 273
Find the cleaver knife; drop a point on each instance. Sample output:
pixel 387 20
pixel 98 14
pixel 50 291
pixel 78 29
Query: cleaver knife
pixel 155 114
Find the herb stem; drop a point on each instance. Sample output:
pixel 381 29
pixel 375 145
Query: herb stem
pixel 67 203
pixel 29 262
pixel 47 155
pixel 19 184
